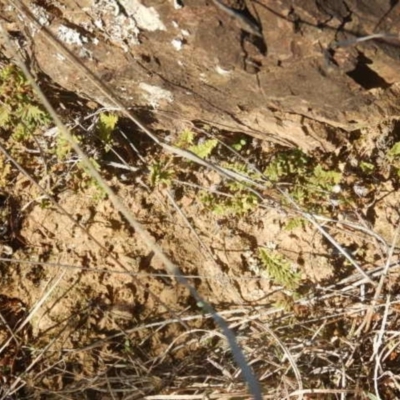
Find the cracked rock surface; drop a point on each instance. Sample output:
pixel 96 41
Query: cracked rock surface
pixel 190 60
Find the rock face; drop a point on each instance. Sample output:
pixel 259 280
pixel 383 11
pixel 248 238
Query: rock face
pixel 302 82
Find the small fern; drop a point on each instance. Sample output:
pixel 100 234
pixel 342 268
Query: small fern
pixel 324 180
pixel 296 222
pixel 63 148
pixel 185 139
pixel 279 269
pixel 240 203
pixel 308 183
pixel 20 113
pixel 202 149
pixel 288 164
pixel 205 148
pixel 160 173
pixel 105 127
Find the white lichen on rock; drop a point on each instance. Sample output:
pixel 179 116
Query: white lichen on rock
pixel 177 44
pixel 147 18
pixel 71 36
pixel 41 15
pixel 121 20
pixel 154 94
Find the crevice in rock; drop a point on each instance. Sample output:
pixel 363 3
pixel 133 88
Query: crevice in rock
pixel 365 76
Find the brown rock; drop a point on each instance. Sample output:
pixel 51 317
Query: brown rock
pixel 293 86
